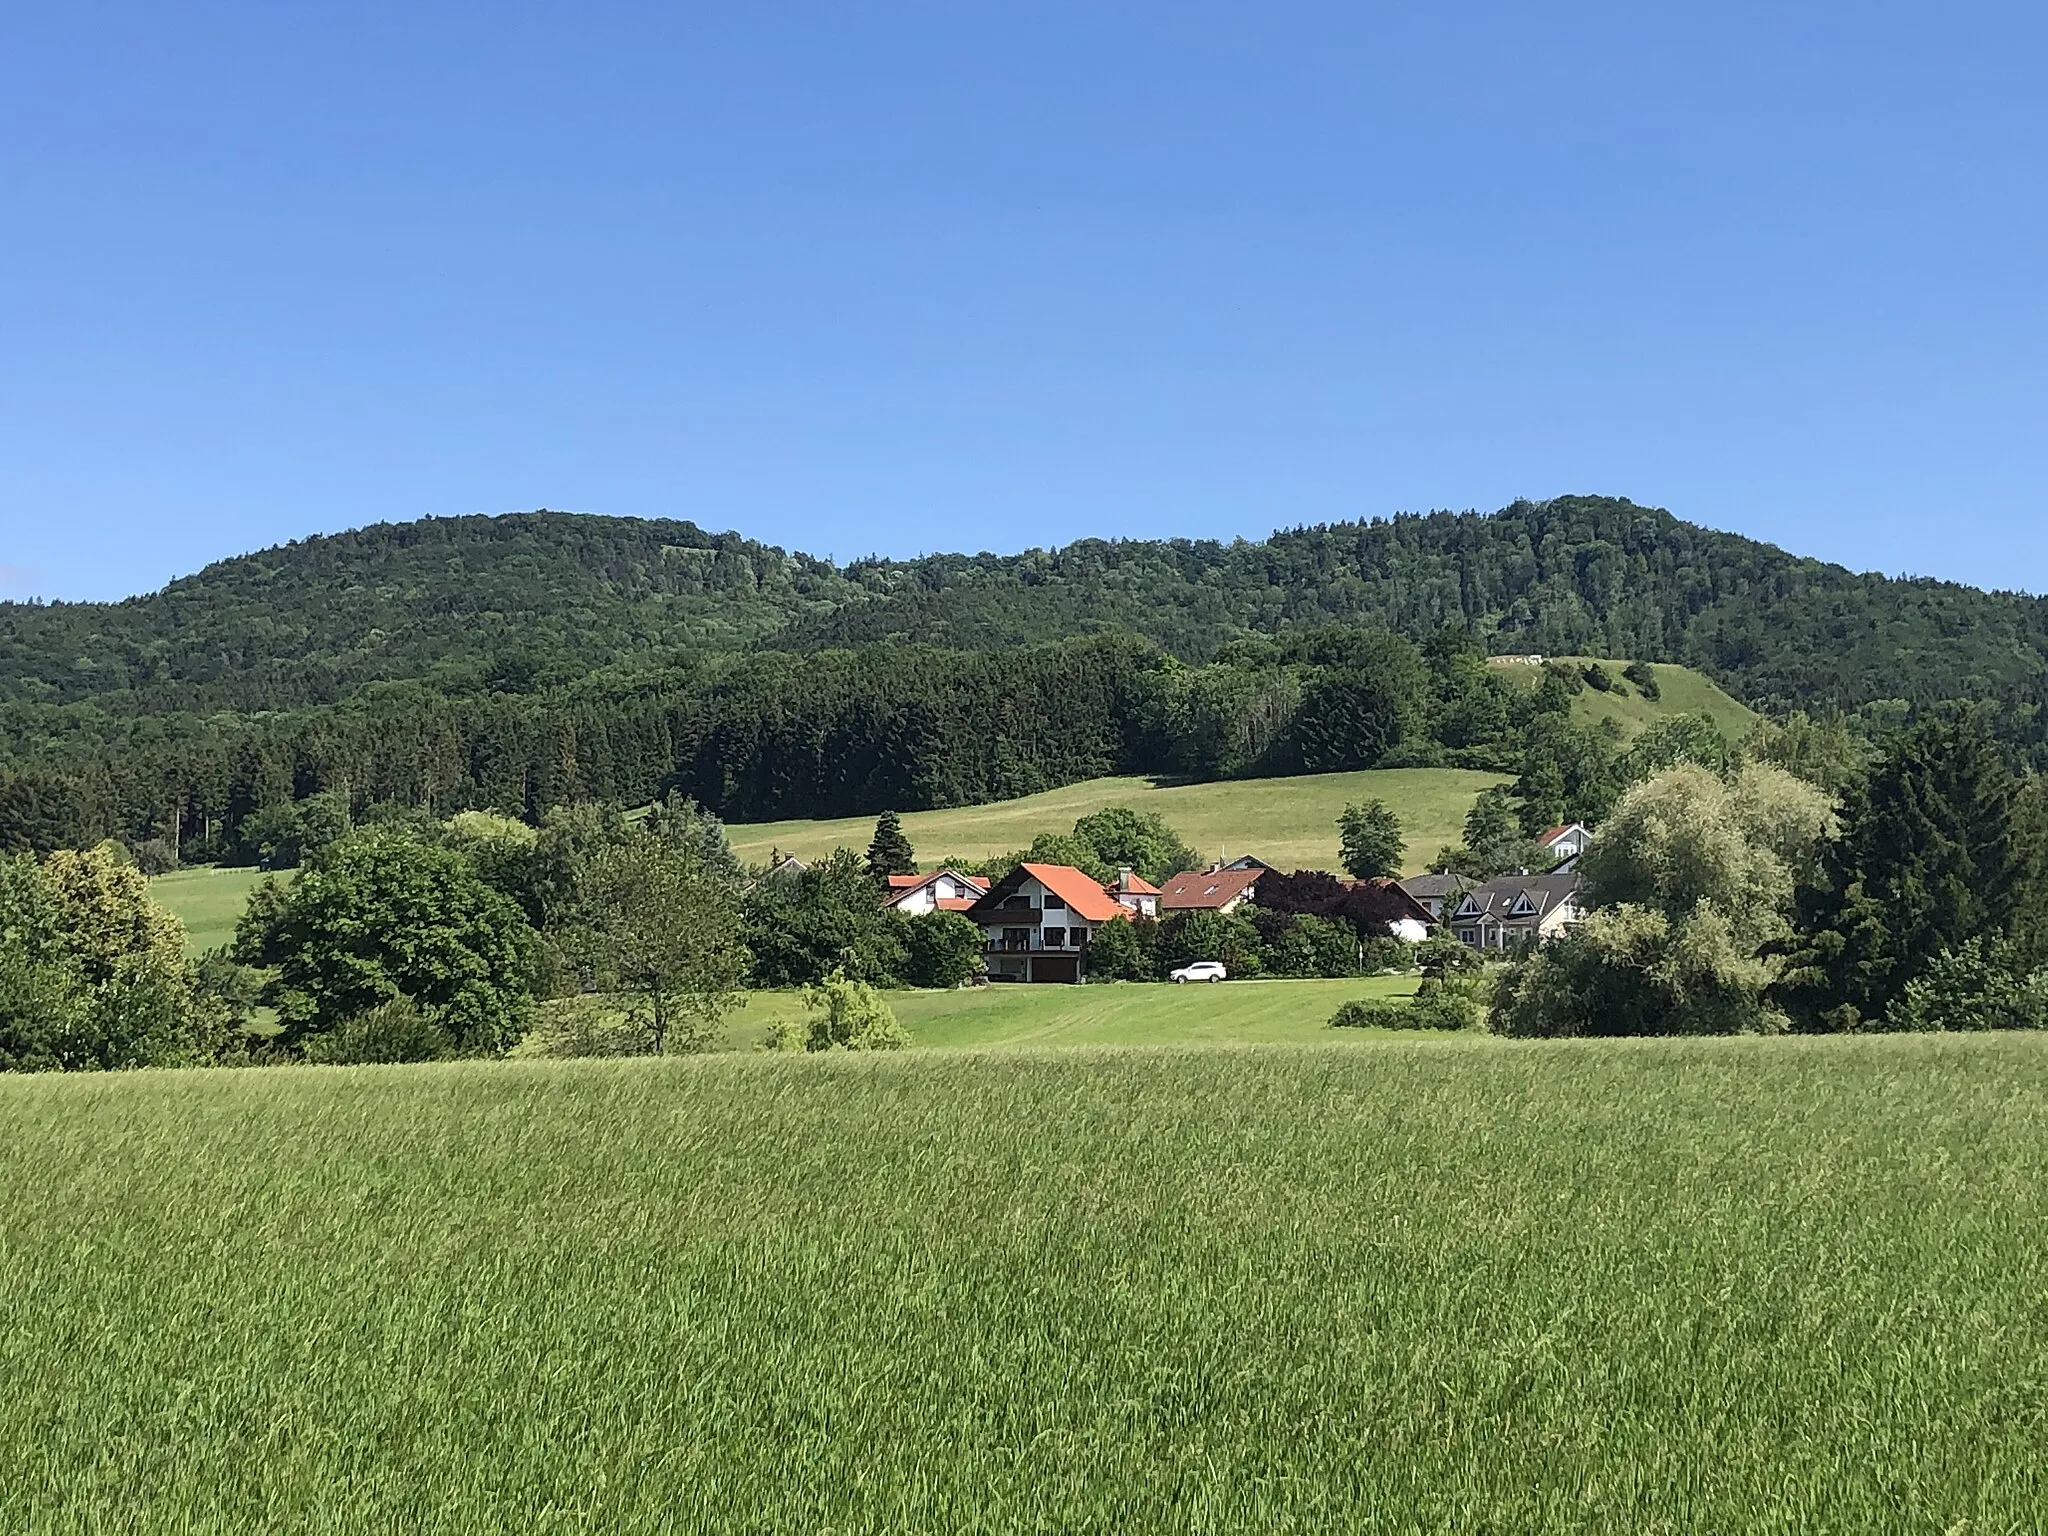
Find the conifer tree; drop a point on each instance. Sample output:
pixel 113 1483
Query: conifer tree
pixel 890 853
pixel 1926 862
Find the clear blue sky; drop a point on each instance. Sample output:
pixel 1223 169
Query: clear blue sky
pixel 895 278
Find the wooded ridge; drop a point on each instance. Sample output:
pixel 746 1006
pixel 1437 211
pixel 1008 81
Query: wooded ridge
pixel 519 662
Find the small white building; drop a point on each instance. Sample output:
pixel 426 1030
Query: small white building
pixel 943 890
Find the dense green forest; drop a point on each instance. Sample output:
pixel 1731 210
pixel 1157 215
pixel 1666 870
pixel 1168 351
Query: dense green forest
pixel 523 661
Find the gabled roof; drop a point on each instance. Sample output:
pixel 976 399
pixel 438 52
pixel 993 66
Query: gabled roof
pixel 1436 885
pixel 1516 898
pixel 901 886
pixel 1390 902
pixel 1198 889
pixel 1080 893
pixel 1553 834
pixel 1129 884
pixel 1084 898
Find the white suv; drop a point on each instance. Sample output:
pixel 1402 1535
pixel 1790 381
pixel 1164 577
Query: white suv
pixel 1201 970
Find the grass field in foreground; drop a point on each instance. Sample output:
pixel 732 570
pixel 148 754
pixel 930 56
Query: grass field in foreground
pixel 1290 823
pixel 1007 1016
pixel 1789 1285
pixel 208 901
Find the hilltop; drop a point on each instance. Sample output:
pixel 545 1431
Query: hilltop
pixel 538 659
pixel 513 603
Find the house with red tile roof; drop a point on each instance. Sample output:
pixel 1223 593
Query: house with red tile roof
pixel 1565 842
pixel 943 890
pixel 1037 922
pixel 1210 890
pixel 1135 894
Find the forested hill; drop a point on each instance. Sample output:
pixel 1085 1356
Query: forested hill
pixel 516 603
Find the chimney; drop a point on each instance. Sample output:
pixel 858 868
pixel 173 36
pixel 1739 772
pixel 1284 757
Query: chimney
pixel 1123 877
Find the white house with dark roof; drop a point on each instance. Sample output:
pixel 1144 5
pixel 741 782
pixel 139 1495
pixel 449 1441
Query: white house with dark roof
pixel 1505 911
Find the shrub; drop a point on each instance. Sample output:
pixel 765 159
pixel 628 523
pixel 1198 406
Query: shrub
pixel 1385 953
pixel 845 1015
pixel 1305 945
pixel 1644 676
pixel 1436 1005
pixel 1125 949
pixel 940 949
pixel 1598 677
pixel 154 856
pixel 397 1031
pixel 1447 957
pixel 1982 985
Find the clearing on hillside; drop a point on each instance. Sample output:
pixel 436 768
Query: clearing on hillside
pixel 1706 1285
pixel 1290 823
pixel 208 901
pixel 1680 691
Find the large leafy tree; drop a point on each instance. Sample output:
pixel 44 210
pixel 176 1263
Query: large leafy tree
pixel 383 915
pixel 92 971
pixel 1927 862
pixel 1369 841
pixel 941 949
pixel 653 923
pixel 1691 881
pixel 802 926
pixel 1124 838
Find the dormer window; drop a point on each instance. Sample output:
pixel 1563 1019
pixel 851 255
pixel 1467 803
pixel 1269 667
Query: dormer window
pixel 1523 906
pixel 1469 907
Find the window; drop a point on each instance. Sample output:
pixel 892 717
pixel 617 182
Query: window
pixel 1055 938
pixel 1080 937
pixel 1053 903
pixel 1469 936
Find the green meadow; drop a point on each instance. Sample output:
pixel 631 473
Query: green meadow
pixel 1680 691
pixel 1439 1286
pixel 1002 1017
pixel 209 901
pixel 1290 823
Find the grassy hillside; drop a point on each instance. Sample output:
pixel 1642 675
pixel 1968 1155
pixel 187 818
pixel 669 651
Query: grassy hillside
pixel 1680 691
pixel 208 901
pixel 1712 1285
pixel 1290 823
pixel 1005 1017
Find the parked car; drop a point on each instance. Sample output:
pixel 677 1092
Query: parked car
pixel 1200 970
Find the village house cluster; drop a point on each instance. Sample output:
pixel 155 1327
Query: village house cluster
pixel 1038 920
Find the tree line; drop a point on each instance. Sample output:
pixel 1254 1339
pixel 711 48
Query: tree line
pixel 776 734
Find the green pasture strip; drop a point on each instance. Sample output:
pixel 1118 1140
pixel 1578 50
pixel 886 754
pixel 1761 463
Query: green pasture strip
pixel 209 901
pixel 1010 1015
pixel 1290 823
pixel 1776 1286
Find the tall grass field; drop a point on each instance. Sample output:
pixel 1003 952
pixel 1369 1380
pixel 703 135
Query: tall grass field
pixel 1445 1287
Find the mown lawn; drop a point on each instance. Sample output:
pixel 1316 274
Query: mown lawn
pixel 1290 823
pixel 1675 1286
pixel 1007 1016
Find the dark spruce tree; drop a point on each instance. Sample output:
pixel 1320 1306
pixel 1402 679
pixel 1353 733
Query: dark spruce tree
pixel 890 853
pixel 1926 862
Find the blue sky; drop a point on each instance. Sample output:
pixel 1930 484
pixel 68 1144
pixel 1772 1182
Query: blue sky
pixel 900 278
